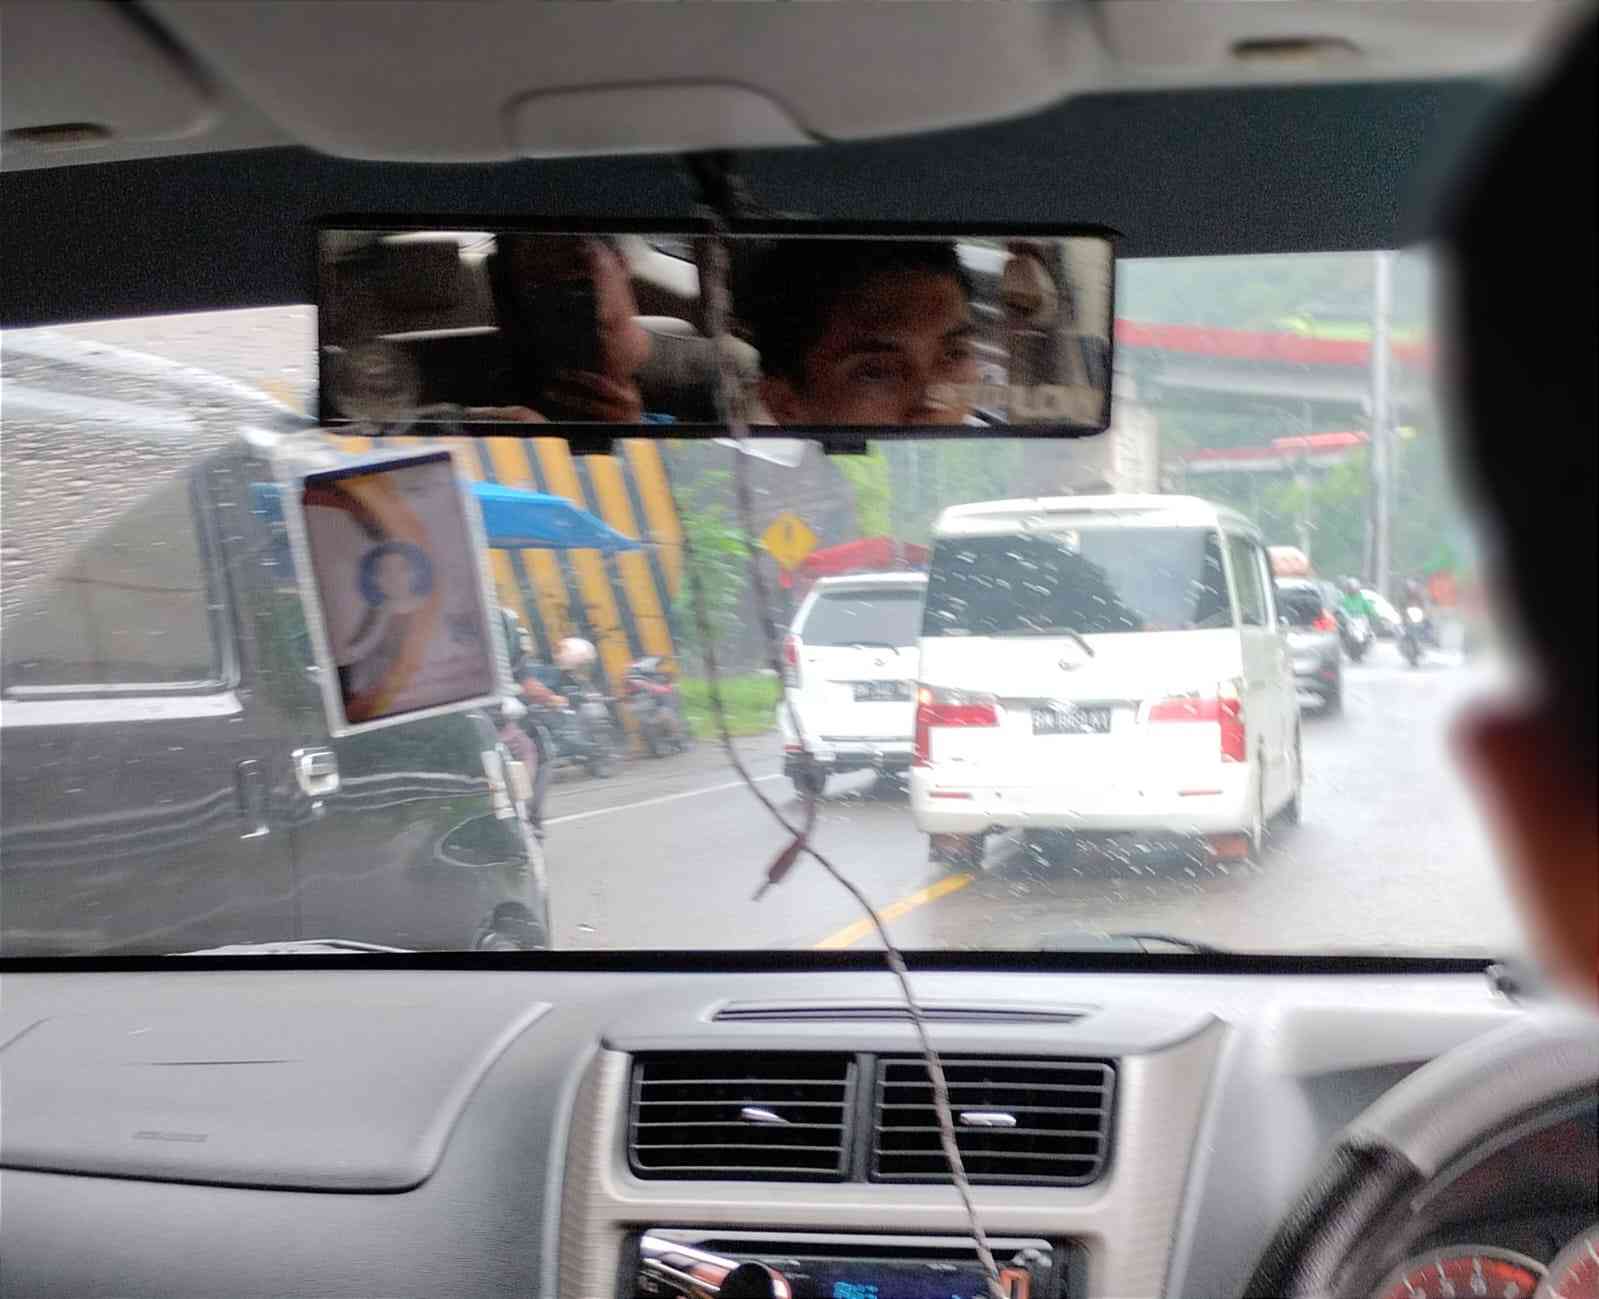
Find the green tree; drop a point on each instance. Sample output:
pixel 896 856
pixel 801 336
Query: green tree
pixel 1338 518
pixel 1428 515
pixel 1268 292
pixel 715 558
pixel 867 476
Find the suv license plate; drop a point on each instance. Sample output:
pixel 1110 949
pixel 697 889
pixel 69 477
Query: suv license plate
pixel 881 692
pixel 1067 719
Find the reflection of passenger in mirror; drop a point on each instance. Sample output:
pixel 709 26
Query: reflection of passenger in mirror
pixel 861 332
pixel 566 308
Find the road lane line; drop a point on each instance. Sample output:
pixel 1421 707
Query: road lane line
pixel 656 802
pixel 851 934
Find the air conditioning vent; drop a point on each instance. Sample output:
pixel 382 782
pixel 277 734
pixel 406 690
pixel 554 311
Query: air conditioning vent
pixel 763 1116
pixel 872 1012
pixel 1016 1121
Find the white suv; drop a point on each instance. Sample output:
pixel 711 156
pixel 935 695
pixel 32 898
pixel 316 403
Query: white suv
pixel 849 664
pixel 1100 666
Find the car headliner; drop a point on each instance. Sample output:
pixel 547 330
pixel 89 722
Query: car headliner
pixel 1177 173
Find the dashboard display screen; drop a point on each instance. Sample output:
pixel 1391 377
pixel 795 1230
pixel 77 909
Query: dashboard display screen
pixel 677 1262
pixel 866 1279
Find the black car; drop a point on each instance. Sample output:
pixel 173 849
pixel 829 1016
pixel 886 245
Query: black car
pixel 1308 612
pixel 169 782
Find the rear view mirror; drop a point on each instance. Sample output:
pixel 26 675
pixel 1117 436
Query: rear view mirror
pixel 936 334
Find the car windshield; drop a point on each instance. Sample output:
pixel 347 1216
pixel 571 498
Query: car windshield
pixel 864 618
pixel 1095 581
pixel 1088 720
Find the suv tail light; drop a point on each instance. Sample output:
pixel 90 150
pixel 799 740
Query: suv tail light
pixel 1225 708
pixel 791 665
pixel 939 707
pixel 1324 622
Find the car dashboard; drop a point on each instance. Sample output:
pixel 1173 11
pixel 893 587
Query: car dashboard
pixel 549 1131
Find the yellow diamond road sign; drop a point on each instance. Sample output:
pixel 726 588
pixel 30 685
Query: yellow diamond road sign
pixel 789 540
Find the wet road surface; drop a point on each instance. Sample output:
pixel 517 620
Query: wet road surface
pixel 1391 854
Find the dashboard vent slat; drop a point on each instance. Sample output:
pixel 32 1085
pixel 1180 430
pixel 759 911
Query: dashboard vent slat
pixel 757 1116
pixel 1033 1121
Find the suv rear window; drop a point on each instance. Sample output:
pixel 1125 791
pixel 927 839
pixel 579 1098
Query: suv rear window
pixel 888 617
pixel 1091 581
pixel 1301 605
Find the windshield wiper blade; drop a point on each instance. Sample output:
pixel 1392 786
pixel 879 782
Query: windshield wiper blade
pixel 863 644
pixel 296 947
pixel 1170 940
pixel 1125 940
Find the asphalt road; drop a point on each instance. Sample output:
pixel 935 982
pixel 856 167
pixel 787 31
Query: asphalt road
pixel 1391 855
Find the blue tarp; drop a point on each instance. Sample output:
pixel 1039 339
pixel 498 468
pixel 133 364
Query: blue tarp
pixel 514 519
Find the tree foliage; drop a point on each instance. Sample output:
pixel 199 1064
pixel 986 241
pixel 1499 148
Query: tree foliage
pixel 1331 292
pixel 715 557
pixel 1328 295
pixel 868 478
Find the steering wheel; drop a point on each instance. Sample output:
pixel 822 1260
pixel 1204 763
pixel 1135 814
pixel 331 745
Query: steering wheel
pixel 1408 1137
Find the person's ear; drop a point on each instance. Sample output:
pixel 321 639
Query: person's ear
pixel 1541 801
pixel 781 399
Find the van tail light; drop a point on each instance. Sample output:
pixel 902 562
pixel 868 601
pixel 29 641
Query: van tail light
pixel 939 707
pixel 1225 708
pixel 791 664
pixel 1324 622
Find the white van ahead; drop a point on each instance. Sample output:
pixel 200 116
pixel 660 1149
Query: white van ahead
pixel 1102 665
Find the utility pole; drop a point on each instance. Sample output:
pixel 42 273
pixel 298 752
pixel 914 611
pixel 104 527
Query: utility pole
pixel 898 515
pixel 1302 480
pixel 1381 419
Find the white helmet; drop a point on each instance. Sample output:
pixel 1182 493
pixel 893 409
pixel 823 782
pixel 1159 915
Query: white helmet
pixel 574 652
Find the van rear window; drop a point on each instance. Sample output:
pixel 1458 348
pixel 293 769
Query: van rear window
pixel 864 617
pixel 1091 581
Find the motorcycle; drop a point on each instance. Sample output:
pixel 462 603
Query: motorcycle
pixel 650 697
pixel 578 732
pixel 1355 633
pixel 529 772
pixel 1412 633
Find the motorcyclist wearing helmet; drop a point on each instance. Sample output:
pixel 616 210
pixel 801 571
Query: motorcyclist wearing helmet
pixel 574 660
pixel 1353 600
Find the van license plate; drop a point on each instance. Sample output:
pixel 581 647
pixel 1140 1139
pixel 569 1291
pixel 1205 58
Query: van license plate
pixel 1067 719
pixel 881 691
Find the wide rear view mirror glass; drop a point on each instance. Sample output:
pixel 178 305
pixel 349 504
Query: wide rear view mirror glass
pixel 929 333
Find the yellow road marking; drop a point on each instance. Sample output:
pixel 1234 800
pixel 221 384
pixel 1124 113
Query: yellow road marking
pixel 851 934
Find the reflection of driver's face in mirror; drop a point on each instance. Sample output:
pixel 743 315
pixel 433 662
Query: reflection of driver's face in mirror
pixel 862 332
